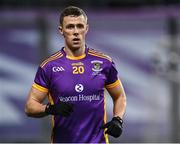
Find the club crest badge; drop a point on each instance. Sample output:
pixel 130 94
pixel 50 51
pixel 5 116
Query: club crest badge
pixel 97 66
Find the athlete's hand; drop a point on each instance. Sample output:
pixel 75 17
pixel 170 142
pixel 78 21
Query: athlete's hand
pixel 61 108
pixel 114 127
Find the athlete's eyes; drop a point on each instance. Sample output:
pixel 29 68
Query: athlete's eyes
pixel 70 26
pixel 78 26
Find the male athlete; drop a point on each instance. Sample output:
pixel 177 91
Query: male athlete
pixel 74 80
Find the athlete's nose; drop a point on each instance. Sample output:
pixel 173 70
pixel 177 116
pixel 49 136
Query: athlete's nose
pixel 76 31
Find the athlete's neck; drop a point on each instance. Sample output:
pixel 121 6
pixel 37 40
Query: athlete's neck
pixel 74 52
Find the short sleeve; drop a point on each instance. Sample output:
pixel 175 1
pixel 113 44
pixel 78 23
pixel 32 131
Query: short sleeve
pixel 41 80
pixel 112 77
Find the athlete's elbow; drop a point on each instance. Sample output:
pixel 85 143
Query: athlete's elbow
pixel 32 111
pixel 27 111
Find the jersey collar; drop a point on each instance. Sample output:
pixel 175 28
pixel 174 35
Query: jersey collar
pixel 76 58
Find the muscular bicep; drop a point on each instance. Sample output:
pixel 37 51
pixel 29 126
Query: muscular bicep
pixel 119 99
pixel 37 95
pixel 34 105
pixel 116 91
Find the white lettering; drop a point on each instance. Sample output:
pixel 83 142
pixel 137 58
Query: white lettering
pixel 69 98
pixel 57 69
pixel 89 98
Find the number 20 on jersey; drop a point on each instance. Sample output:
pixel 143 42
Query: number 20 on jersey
pixel 78 69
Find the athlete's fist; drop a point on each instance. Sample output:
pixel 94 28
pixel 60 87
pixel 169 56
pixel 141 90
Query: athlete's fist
pixel 114 127
pixel 61 108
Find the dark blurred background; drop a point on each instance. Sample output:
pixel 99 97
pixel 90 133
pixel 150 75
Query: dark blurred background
pixel 142 37
pixel 51 4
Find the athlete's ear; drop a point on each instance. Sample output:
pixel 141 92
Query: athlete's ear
pixel 87 27
pixel 60 30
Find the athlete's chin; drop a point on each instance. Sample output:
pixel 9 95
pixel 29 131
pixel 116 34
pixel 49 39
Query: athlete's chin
pixel 76 46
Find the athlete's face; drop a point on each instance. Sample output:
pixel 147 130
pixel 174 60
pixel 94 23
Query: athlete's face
pixel 74 30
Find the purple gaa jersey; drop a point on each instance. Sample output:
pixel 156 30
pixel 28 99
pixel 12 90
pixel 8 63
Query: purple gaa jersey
pixel 80 81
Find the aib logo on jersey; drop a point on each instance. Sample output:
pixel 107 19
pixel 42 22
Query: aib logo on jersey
pixel 79 88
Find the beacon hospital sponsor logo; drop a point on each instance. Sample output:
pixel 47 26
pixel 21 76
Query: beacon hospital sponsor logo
pixel 79 88
pixel 81 97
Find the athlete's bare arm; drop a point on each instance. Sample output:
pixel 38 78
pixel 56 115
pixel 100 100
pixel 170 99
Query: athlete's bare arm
pixel 119 100
pixel 34 106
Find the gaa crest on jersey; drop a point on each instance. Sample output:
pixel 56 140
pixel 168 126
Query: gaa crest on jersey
pixel 97 66
pixel 58 69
